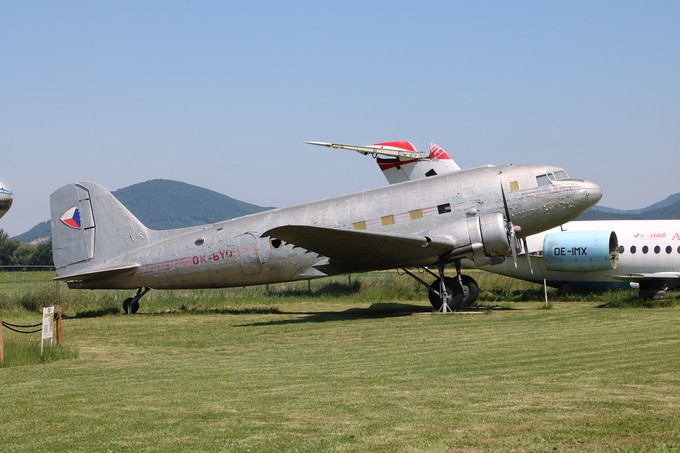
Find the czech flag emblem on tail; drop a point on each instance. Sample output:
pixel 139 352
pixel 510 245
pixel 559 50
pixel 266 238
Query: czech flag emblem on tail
pixel 71 218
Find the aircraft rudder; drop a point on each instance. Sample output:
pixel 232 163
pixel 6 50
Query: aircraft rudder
pixel 90 224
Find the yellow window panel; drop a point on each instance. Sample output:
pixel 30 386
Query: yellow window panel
pixel 387 220
pixel 359 225
pixel 415 215
pixel 514 186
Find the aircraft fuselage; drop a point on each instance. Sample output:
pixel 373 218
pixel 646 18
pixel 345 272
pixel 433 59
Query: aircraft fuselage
pixel 235 253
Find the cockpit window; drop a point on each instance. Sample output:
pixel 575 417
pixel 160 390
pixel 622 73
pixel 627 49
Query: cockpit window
pixel 542 180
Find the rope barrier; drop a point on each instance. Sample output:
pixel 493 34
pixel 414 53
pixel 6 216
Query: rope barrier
pixel 4 324
pixel 19 326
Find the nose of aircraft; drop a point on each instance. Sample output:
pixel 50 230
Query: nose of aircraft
pixel 593 192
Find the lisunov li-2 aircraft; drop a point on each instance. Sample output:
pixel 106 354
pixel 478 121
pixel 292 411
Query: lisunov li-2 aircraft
pixel 479 214
pixel 579 255
pixel 5 197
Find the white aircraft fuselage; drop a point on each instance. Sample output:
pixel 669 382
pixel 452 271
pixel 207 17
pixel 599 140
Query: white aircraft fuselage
pixel 648 254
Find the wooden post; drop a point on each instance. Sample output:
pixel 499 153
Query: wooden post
pixel 2 350
pixel 58 319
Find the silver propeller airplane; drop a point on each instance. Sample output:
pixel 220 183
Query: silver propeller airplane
pixel 478 213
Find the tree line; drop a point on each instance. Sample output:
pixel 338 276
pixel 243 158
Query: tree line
pixel 15 253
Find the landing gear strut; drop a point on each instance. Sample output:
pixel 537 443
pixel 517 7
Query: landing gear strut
pixel 450 293
pixel 131 304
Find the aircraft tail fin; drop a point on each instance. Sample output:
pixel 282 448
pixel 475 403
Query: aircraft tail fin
pixel 90 228
pixel 401 169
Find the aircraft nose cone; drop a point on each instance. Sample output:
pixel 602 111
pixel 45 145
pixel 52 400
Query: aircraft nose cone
pixel 593 192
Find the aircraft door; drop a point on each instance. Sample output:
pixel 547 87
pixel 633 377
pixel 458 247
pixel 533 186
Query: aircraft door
pixel 249 254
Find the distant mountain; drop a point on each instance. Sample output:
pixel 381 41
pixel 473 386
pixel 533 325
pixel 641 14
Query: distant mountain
pixel 668 208
pixel 162 204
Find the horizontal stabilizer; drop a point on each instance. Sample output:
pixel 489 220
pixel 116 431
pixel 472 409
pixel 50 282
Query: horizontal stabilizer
pixel 98 274
pixel 358 250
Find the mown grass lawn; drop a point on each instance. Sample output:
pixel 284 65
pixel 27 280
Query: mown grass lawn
pixel 327 376
pixel 324 374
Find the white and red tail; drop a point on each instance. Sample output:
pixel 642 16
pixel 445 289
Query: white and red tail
pixel 401 169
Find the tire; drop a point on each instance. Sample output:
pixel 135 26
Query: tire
pixel 454 292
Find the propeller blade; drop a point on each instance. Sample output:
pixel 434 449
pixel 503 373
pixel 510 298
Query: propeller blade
pixel 512 237
pixel 526 251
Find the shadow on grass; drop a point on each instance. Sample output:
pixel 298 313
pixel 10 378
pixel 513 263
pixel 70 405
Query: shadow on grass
pixel 94 313
pixel 220 311
pixel 637 302
pixel 375 311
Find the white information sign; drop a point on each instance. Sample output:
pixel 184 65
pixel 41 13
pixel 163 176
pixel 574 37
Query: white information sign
pixel 48 316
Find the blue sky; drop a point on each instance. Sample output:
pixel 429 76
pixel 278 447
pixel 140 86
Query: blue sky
pixel 222 94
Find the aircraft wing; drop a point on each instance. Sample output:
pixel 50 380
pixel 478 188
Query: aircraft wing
pixel 358 251
pixel 671 279
pixel 375 150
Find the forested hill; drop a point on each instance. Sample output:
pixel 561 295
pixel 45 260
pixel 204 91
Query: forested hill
pixel 662 210
pixel 163 204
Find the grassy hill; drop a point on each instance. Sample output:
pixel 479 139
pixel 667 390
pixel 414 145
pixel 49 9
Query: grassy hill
pixel 163 204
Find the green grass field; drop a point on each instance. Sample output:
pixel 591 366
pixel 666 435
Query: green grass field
pixel 342 369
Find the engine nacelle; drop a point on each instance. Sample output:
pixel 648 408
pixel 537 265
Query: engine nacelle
pixel 481 238
pixel 581 251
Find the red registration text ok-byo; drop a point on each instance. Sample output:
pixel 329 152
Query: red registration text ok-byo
pixel 215 256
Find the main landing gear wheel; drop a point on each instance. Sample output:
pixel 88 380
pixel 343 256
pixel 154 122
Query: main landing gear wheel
pixel 470 289
pixel 131 304
pixel 454 294
pixel 457 296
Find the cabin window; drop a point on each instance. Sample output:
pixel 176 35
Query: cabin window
pixel 657 249
pixel 444 208
pixel 359 225
pixel 679 249
pixel 387 220
pixel 669 249
pixel 514 186
pixel 621 249
pixel 542 180
pixel 199 241
pixel 633 249
pixel 645 249
pixel 415 215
